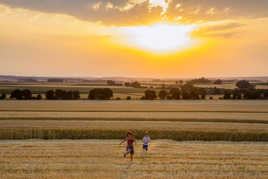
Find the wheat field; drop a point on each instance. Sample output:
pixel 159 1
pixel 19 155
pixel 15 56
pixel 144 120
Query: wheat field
pixel 83 119
pixel 103 159
pixel 136 105
pixel 227 126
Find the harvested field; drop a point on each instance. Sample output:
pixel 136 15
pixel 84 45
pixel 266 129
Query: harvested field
pixel 103 159
pixel 180 105
pixel 132 115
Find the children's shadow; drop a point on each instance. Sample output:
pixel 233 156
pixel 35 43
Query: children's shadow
pixel 125 169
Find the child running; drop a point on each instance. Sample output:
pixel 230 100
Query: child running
pixel 146 139
pixel 130 147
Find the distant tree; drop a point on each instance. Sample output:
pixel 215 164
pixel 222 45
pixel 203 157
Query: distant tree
pixel 17 94
pixel 128 98
pixel 111 82
pixel 189 91
pixel 216 91
pixel 133 84
pixel 202 92
pixel 93 94
pixel 265 94
pixel 237 94
pixel 175 93
pixel 28 80
pixel 150 95
pixel 218 82
pixel 200 81
pixel 108 93
pixel 68 95
pixel 252 94
pixel 21 94
pixel 243 84
pixel 55 80
pixel 3 96
pixel 59 94
pixel 162 94
pixel 76 94
pixel 39 97
pixel 50 95
pixel 227 94
pixel 27 94
pixel 186 95
pixel 194 93
pixel 118 98
pixel 100 94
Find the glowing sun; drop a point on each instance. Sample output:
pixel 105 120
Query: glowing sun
pixel 159 38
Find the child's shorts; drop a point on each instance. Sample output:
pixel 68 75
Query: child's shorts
pixel 145 147
pixel 130 149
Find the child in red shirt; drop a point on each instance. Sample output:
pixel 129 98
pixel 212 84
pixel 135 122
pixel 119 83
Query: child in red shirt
pixel 130 147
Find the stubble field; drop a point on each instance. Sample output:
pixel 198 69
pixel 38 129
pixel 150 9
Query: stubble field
pixel 103 159
pixel 229 126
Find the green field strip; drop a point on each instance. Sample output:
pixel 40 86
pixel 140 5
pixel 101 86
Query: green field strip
pixel 178 135
pixel 137 111
pixel 253 121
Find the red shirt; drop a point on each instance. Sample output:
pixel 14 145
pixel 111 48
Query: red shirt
pixel 129 141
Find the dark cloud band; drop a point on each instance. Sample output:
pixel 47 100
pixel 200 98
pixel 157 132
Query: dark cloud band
pixel 125 12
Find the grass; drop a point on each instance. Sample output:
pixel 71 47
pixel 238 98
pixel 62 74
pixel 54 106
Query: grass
pixel 103 159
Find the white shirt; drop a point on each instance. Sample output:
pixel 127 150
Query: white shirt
pixel 146 139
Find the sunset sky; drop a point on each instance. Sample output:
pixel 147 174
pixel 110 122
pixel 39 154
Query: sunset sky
pixel 134 38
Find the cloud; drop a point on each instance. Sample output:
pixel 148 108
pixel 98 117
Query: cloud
pixel 212 10
pixel 224 29
pixel 111 12
pixel 126 12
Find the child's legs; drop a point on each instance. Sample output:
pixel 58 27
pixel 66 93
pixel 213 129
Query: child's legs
pixel 145 147
pixel 127 151
pixel 131 151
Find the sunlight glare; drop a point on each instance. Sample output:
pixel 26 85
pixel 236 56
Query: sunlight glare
pixel 159 38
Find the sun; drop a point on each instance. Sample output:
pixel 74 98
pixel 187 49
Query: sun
pixel 159 38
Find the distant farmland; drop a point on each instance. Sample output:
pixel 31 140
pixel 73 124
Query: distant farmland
pixel 178 120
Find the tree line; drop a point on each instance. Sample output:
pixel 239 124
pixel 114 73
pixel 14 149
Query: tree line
pixel 25 94
pixel 59 94
pixel 62 95
pixel 187 91
pixel 244 90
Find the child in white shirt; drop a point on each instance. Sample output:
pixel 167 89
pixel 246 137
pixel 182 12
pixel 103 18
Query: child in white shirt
pixel 146 139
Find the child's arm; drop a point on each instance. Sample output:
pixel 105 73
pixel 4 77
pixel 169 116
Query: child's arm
pixel 122 141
